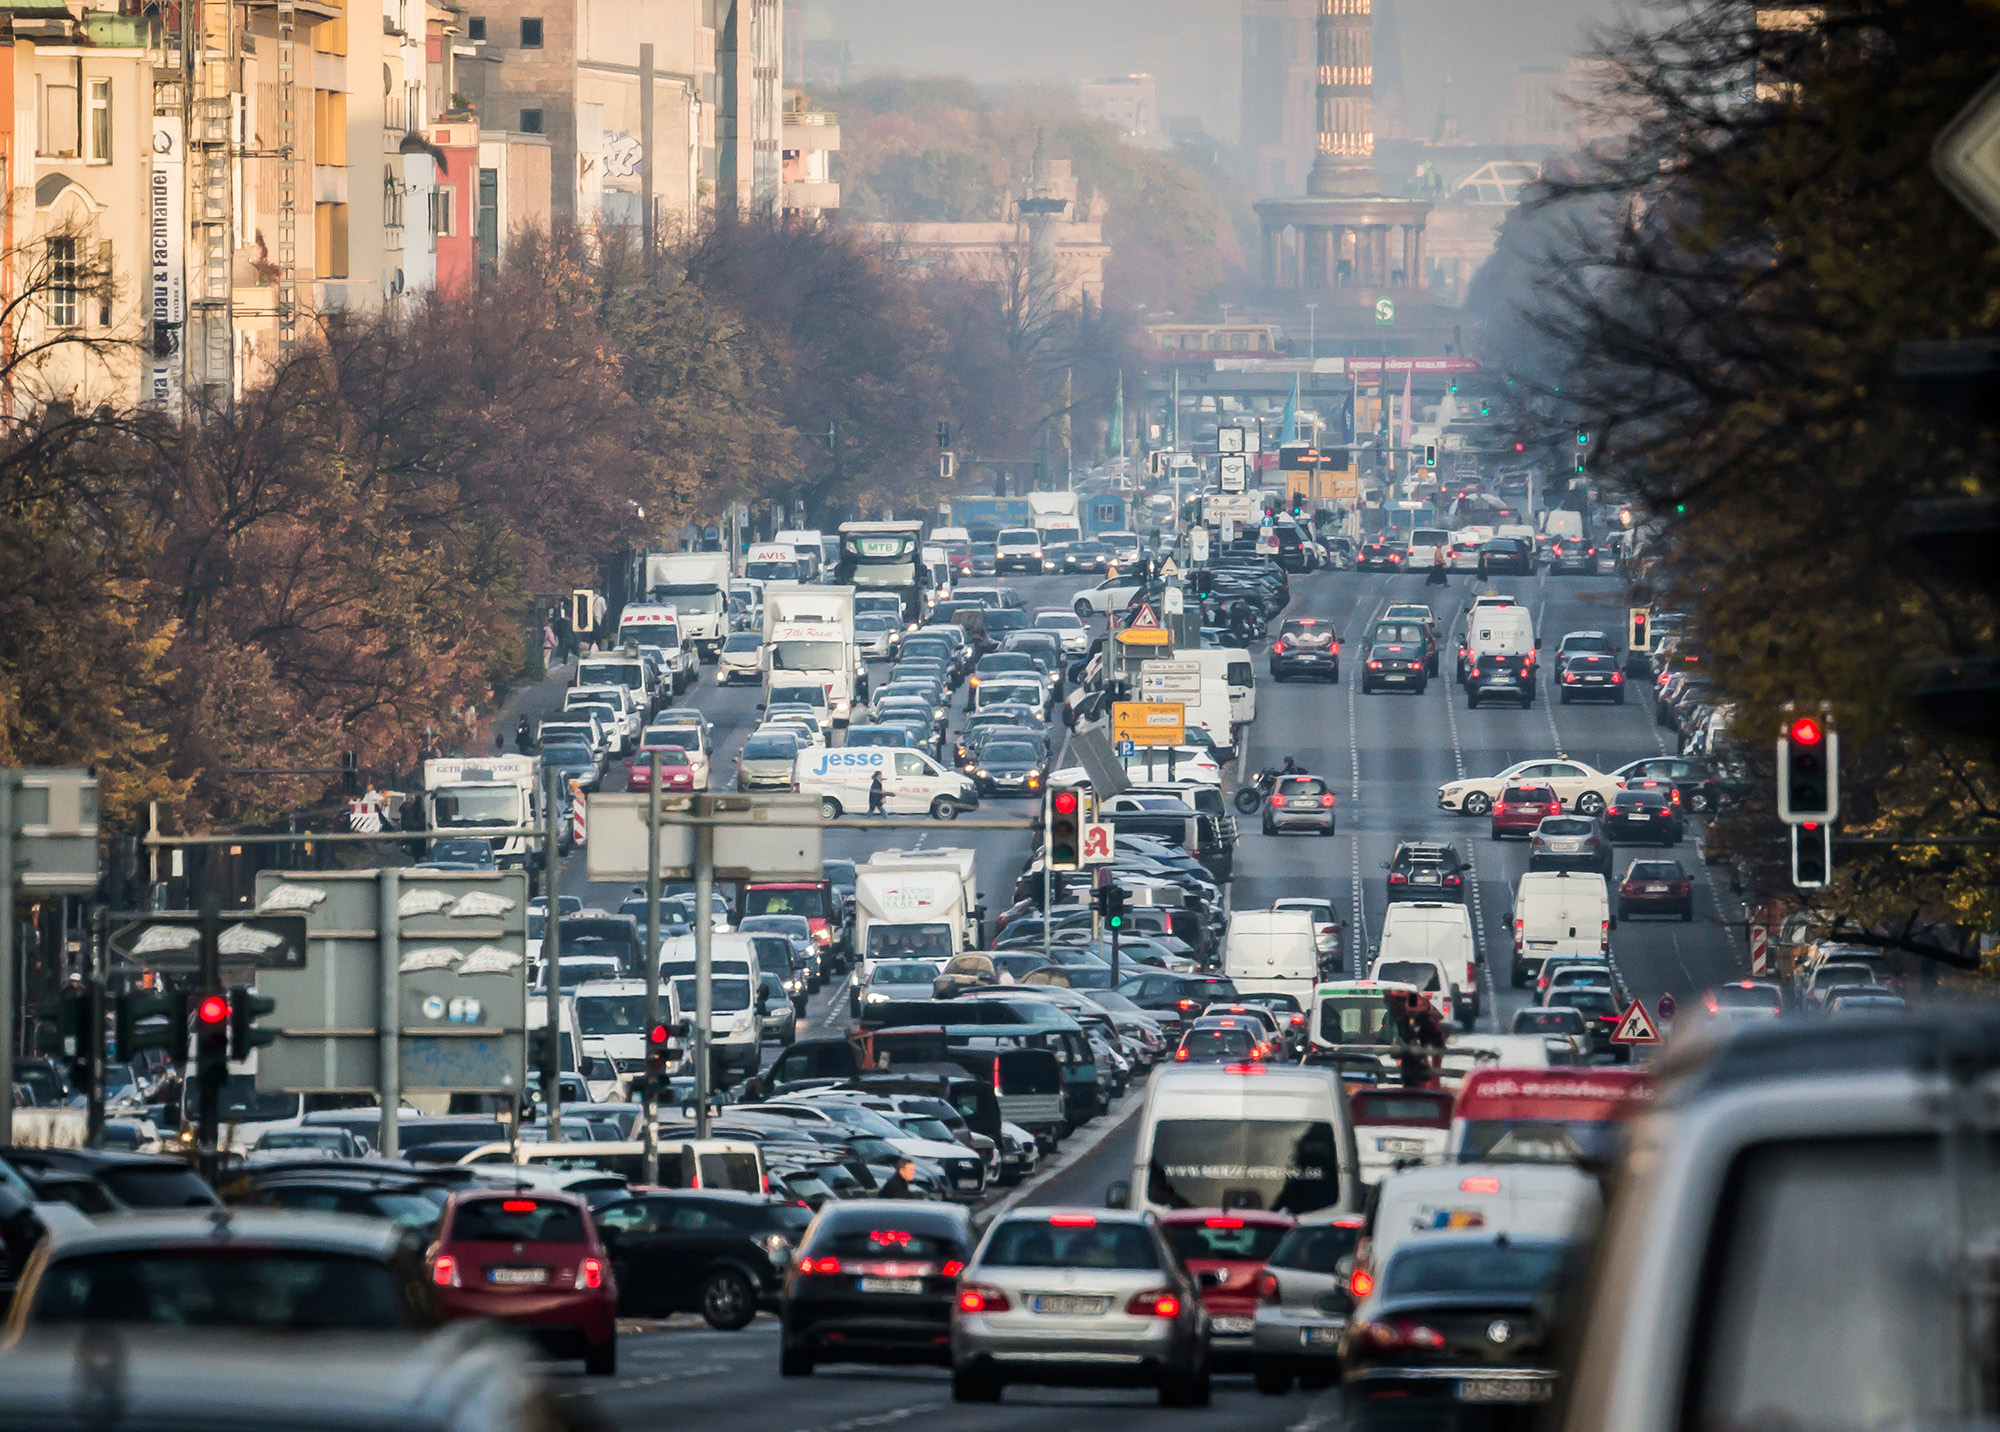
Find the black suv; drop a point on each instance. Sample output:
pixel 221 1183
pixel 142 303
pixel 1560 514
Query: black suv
pixel 1380 554
pixel 1506 554
pixel 1306 646
pixel 723 1255
pixel 1176 999
pixel 1492 674
pixel 1427 870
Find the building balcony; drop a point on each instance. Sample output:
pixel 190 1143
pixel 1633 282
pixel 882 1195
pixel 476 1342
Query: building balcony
pixel 804 194
pixel 811 131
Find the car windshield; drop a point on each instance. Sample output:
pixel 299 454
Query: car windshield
pixel 905 972
pixel 1356 1019
pixel 1739 996
pixel 730 995
pixel 300 1290
pixel 1316 1248
pixel 1070 1241
pixel 600 1014
pixel 742 641
pixel 1517 1269
pixel 1009 753
pixel 771 747
pixel 1655 870
pixel 1564 826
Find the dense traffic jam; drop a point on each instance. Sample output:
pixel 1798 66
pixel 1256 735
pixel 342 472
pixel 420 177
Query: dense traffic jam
pixel 1354 1162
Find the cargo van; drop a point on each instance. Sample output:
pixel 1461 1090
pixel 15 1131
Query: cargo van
pixel 1265 1136
pixel 1272 950
pixel 1428 545
pixel 1498 633
pixel 912 782
pixel 734 1164
pixel 736 985
pixel 1558 913
pixel 1232 666
pixel 1420 934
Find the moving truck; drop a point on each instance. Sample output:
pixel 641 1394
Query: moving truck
pixel 695 584
pixel 959 860
pixel 1055 516
pixel 902 913
pixel 809 636
pixel 463 797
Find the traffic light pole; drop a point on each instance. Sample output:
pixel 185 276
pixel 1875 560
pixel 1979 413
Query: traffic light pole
pixel 10 1022
pixel 208 981
pixel 704 987
pixel 552 952
pixel 650 1098
pixel 97 956
pixel 1048 870
pixel 389 1012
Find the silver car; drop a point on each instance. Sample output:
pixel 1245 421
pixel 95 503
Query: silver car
pixel 741 659
pixel 1065 1296
pixel 766 761
pixel 1305 1295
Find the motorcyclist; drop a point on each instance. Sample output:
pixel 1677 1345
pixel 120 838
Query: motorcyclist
pixel 1291 768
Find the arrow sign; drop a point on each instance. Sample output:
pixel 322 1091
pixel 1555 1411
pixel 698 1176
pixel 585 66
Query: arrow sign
pixel 1637 1026
pixel 1966 156
pixel 172 941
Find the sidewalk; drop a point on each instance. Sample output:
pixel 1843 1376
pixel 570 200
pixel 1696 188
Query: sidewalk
pixel 534 701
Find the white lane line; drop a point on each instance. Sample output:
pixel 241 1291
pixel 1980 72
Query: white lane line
pixel 879 1419
pixel 1491 997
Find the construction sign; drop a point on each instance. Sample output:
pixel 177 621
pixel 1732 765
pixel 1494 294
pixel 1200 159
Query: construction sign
pixel 1760 950
pixel 1637 1026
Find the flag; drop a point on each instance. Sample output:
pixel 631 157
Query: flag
pixel 1290 434
pixel 1115 439
pixel 1403 439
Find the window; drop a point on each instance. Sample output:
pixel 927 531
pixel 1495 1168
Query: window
pixel 62 281
pixel 444 210
pixel 59 120
pixel 531 121
pixel 392 199
pixel 104 283
pixel 330 234
pixel 329 127
pixel 475 29
pixel 100 121
pixel 487 224
pixel 531 32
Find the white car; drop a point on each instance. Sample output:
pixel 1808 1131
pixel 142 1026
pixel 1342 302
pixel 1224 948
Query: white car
pixel 1068 628
pixel 625 716
pixel 1110 595
pixel 876 636
pixel 741 659
pixel 1583 789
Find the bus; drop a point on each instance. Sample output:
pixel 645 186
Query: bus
pixel 887 557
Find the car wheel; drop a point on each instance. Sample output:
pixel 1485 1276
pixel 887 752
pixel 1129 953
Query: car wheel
pixel 1517 977
pixel 1472 700
pixel 1366 688
pixel 1083 610
pixel 728 1302
pixel 1422 687
pixel 1270 829
pixel 794 1362
pixel 944 808
pixel 1478 803
pixel 1590 803
pixel 1335 677
pixel 1273 1381
pixel 1564 698
pixel 974 1385
pixel 602 1361
pixel 829 808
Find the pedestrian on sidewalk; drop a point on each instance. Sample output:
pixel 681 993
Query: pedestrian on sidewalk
pixel 523 736
pixel 565 638
pixel 875 802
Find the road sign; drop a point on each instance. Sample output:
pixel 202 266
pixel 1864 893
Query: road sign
pixel 1198 546
pixel 1096 842
pixel 171 940
pixel 1149 723
pixel 1104 766
pixel 1229 440
pixel 1147 620
pixel 1146 636
pixel 1666 1006
pixel 753 848
pixel 1126 748
pixel 1170 681
pixel 456 943
pixel 1966 156
pixel 53 844
pixel 1170 570
pixel 1760 950
pixel 1637 1026
pixel 947 465
pixel 1235 473
pixel 1385 310
pixel 1175 601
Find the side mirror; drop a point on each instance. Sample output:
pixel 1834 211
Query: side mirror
pixel 1118 1194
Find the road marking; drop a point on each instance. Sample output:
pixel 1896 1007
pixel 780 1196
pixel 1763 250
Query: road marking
pixel 1479 943
pixel 1067 1158
pixel 878 1419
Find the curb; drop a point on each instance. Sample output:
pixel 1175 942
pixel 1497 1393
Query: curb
pixel 1113 1119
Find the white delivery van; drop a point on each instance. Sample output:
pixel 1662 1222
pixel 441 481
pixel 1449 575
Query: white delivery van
pixel 810 547
pixel 1495 631
pixel 1433 933
pixel 961 861
pixel 1519 1200
pixel 1214 714
pixel 611 1021
pixel 735 1028
pixel 774 562
pixel 1269 1136
pixel 1427 546
pixel 1233 666
pixel 1018 549
pixel 1274 950
pixel 1559 913
pixel 912 783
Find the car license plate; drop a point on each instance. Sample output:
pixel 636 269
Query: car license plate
pixel 516 1277
pixel 1393 676
pixel 1638 815
pixel 966 1181
pixel 1063 1305
pixel 1497 1389
pixel 1503 681
pixel 1232 1326
pixel 892 1285
pixel 1425 879
pixel 1310 1337
pixel 1593 681
pixel 1655 889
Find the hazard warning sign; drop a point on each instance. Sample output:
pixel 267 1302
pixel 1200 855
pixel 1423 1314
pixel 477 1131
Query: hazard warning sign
pixel 1147 619
pixel 1637 1026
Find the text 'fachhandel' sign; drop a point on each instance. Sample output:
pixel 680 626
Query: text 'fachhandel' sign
pixel 166 292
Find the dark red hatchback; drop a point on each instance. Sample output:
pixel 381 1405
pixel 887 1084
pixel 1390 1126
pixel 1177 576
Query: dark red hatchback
pixel 534 1262
pixel 1521 808
pixel 1226 1251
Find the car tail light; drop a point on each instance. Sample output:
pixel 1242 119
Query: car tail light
pixel 819 1265
pixel 1277 648
pixel 1569 678
pixel 1474 671
pixel 1243 1069
pixel 1604 934
pixel 444 1271
pixel 1518 928
pixel 1155 1303
pixel 1479 1184
pixel 1267 1287
pixel 952 1269
pixel 1278 801
pixel 1617 678
pixel 1298 1019
pixel 1361 1283
pixel 1401 1333
pixel 590 1273
pixel 1184 1005
pixel 1374 665
pixel 977 1298
pixel 1181 1055
pixel 1453 880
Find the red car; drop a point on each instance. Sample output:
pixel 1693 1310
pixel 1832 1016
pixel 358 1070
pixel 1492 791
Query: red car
pixel 1655 887
pixel 676 771
pixel 1226 1251
pixel 534 1261
pixel 1521 808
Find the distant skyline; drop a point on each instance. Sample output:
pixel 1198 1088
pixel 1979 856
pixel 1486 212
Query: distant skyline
pixel 1192 47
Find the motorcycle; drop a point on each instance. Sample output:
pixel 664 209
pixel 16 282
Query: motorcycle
pixel 1250 799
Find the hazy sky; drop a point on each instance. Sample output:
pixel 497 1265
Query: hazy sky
pixel 1192 46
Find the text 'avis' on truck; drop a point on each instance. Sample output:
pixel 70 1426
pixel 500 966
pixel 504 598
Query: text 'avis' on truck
pixel 696 586
pixel 809 638
pixel 463 797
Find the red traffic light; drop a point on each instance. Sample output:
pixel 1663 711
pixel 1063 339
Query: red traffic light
pixel 1065 802
pixel 213 1010
pixel 1806 731
pixel 657 1034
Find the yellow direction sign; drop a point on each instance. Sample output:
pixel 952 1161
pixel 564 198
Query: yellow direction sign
pixel 1146 636
pixel 1149 723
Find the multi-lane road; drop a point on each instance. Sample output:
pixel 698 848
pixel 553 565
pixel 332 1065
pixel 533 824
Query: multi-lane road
pixel 1385 755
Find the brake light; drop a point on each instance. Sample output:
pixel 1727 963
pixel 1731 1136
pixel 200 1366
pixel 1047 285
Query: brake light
pixel 1267 1287
pixel 1362 1283
pixel 899 1237
pixel 1224 1223
pixel 1277 648
pixel 1475 671
pixel 1479 1185
pixel 444 1271
pixel 1397 878
pixel 1278 801
pixel 1374 665
pixel 952 1269
pixel 590 1274
pixel 1401 1334
pixel 1326 800
pixel 1181 1055
pixel 1453 880
pixel 1604 934
pixel 1154 1303
pixel 1072 1220
pixel 518 1205
pixel 1243 1069
pixel 1298 1019
pixel 1569 678
pixel 979 1299
pixel 819 1265
pixel 1617 678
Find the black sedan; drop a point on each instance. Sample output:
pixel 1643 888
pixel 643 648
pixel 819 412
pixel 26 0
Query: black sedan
pixel 874 1282
pixel 720 1254
pixel 1456 1324
pixel 1306 646
pixel 1572 554
pixel 1507 554
pixel 1381 555
pixel 1008 768
pixel 1086 557
pixel 1643 816
pixel 1591 676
